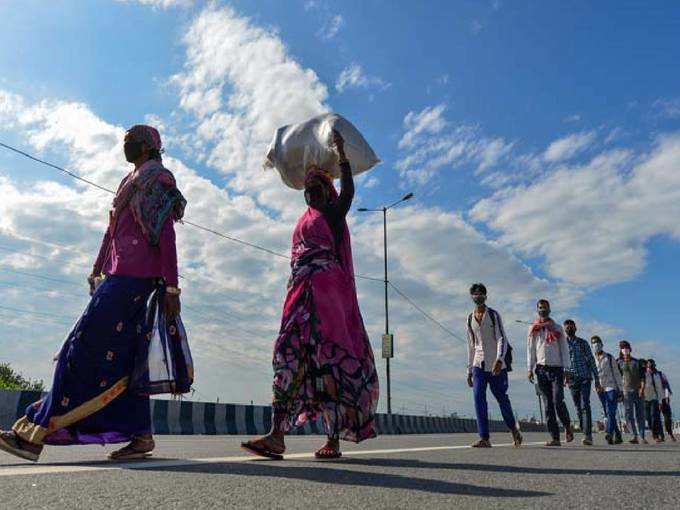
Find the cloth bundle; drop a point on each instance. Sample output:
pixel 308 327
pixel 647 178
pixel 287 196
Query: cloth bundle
pixel 298 146
pixel 164 363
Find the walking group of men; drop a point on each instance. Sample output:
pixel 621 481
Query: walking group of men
pixel 556 358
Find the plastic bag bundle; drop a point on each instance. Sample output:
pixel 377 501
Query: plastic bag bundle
pixel 298 146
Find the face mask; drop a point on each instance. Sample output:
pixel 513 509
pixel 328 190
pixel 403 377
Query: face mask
pixel 571 331
pixel 598 347
pixel 479 300
pixel 626 352
pixel 544 314
pixel 133 150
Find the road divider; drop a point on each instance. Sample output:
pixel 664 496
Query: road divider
pixel 184 417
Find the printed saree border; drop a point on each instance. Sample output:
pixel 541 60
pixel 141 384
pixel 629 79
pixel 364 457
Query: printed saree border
pixel 35 434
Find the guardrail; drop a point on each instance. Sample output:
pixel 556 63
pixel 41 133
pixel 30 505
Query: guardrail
pixel 188 417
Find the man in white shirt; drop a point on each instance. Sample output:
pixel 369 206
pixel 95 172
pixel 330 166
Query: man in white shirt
pixel 487 351
pixel 611 387
pixel 547 358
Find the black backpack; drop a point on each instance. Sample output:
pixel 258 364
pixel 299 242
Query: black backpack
pixel 508 353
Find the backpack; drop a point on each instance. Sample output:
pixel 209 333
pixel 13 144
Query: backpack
pixel 508 352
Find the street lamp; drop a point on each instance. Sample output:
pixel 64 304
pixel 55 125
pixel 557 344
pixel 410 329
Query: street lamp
pixel 388 347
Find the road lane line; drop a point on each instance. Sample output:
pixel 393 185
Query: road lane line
pixel 148 464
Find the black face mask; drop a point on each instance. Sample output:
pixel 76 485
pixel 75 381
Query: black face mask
pixel 133 150
pixel 571 331
pixel 544 314
pixel 479 300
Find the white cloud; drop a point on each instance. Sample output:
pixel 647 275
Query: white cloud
pixel 353 76
pixel 669 108
pixel 163 4
pixel 240 84
pixel 572 118
pixel 569 146
pixel 592 222
pixel 430 143
pixel 331 27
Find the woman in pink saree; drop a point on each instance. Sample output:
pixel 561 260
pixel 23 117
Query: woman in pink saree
pixel 323 361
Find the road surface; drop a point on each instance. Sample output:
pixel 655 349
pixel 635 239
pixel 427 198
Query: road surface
pixel 426 471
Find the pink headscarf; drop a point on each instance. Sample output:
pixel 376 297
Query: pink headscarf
pixel 148 135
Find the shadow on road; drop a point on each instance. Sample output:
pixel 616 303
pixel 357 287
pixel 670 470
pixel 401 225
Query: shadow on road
pixel 416 464
pixel 322 474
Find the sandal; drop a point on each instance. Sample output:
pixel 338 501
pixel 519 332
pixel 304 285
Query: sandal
pixel 14 445
pixel 331 450
pixel 262 451
pixel 137 449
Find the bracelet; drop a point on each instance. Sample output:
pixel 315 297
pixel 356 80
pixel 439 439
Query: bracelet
pixel 173 291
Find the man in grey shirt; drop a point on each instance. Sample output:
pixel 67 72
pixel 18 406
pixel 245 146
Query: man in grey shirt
pixel 633 392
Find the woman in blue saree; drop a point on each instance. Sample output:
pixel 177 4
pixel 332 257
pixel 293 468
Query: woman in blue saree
pixel 92 399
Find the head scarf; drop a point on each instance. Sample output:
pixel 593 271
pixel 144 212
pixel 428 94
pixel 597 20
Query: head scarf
pixel 553 331
pixel 150 191
pixel 148 135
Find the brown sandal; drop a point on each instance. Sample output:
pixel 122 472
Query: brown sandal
pixel 262 451
pixel 331 450
pixel 137 449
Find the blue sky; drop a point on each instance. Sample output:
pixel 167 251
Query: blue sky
pixel 542 143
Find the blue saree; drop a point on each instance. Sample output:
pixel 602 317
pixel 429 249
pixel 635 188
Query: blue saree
pixel 91 400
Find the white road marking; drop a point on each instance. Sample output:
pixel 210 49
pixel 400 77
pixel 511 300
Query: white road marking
pixel 147 464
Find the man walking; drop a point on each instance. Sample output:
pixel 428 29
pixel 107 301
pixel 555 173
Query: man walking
pixel 582 372
pixel 653 397
pixel 633 392
pixel 547 358
pixel 611 383
pixel 487 366
pixel 666 405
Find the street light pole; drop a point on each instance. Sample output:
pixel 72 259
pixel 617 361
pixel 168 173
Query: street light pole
pixel 387 337
pixel 387 311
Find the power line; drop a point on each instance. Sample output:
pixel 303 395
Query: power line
pixel 191 223
pixel 425 314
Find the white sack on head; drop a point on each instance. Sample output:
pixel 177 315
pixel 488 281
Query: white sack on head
pixel 297 146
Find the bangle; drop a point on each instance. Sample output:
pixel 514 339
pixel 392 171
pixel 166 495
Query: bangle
pixel 173 291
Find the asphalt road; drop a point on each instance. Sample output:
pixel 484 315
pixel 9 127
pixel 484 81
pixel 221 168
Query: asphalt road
pixel 433 471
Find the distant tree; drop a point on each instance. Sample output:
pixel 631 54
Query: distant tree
pixel 11 380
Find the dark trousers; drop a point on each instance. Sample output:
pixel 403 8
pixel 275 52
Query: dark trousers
pixel 635 413
pixel 499 388
pixel 580 392
pixel 654 418
pixel 667 416
pixel 551 385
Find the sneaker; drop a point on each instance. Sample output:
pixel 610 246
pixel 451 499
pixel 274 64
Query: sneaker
pixel 14 445
pixel 553 442
pixel 516 437
pixel 587 441
pixel 482 443
pixel 634 441
pixel 609 439
pixel 618 439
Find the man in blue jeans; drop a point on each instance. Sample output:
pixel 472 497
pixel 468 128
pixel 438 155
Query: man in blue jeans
pixel 582 372
pixel 487 366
